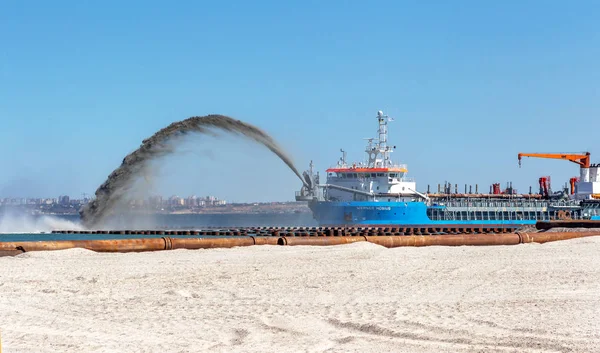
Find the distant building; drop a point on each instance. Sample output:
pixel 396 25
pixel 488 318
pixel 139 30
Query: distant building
pixel 191 201
pixel 176 201
pixel 63 200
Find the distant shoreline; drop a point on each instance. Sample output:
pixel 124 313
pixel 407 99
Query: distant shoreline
pixel 249 208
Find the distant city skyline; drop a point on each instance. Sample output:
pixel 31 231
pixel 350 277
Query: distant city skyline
pixel 64 205
pixel 470 85
pixel 66 199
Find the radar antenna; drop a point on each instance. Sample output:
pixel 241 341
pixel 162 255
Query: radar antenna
pixel 379 155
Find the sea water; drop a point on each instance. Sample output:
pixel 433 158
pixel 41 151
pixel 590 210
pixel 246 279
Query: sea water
pixel 162 221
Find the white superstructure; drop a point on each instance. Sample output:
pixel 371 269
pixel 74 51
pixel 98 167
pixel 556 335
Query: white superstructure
pixel 588 186
pixel 377 178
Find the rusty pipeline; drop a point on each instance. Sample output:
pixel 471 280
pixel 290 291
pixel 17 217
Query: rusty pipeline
pixel 112 245
pixel 207 243
pixel 319 240
pixel 265 240
pixel 439 240
pixel 133 245
pixel 546 237
pixel 445 240
pixel 390 241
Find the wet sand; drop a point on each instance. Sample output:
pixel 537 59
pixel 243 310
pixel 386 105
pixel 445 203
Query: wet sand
pixel 349 298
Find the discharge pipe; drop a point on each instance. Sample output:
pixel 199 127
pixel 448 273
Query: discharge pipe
pixel 168 243
pixel 134 245
pixel 320 240
pixel 440 240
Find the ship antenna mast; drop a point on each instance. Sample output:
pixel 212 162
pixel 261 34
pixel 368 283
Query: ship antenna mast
pixel 342 161
pixel 382 146
pixel 379 154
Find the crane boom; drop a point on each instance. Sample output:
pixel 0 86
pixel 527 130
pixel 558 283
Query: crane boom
pixel 582 159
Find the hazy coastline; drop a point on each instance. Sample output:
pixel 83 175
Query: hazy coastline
pixel 232 208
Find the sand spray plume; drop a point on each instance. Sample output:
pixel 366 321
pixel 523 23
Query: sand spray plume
pixel 20 222
pixel 114 190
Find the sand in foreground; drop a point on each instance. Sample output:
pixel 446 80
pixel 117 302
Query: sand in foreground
pixel 358 297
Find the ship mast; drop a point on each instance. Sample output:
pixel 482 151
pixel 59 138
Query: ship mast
pixel 379 155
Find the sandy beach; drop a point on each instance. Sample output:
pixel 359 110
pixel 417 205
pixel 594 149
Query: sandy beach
pixel 349 298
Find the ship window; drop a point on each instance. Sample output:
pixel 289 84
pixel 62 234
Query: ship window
pixel 354 175
pixel 367 175
pixel 373 175
pixel 392 175
pixel 379 174
pixel 343 175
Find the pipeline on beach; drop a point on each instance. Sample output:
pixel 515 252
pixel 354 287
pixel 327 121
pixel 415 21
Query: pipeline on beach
pixel 170 243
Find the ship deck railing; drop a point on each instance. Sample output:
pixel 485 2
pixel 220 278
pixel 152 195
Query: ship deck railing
pixel 364 166
pixel 505 203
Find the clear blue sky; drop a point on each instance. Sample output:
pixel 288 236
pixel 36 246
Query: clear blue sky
pixel 470 83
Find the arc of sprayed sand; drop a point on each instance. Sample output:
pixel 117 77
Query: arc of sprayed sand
pixel 113 190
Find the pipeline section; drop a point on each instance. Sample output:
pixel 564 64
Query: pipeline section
pixel 312 231
pixel 134 245
pixel 168 243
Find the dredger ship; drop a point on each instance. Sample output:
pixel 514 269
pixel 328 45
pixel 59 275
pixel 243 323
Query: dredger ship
pixel 377 192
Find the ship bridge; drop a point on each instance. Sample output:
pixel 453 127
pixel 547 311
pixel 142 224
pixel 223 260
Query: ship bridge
pixel 377 177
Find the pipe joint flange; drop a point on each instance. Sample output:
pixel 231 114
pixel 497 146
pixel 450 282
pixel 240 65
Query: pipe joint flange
pixel 168 243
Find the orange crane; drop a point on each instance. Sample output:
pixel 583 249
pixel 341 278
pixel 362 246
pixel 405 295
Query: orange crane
pixel 582 159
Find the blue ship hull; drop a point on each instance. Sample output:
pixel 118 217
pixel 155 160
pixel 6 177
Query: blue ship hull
pixel 356 194
pixel 328 213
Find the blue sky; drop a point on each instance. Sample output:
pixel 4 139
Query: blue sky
pixel 470 83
